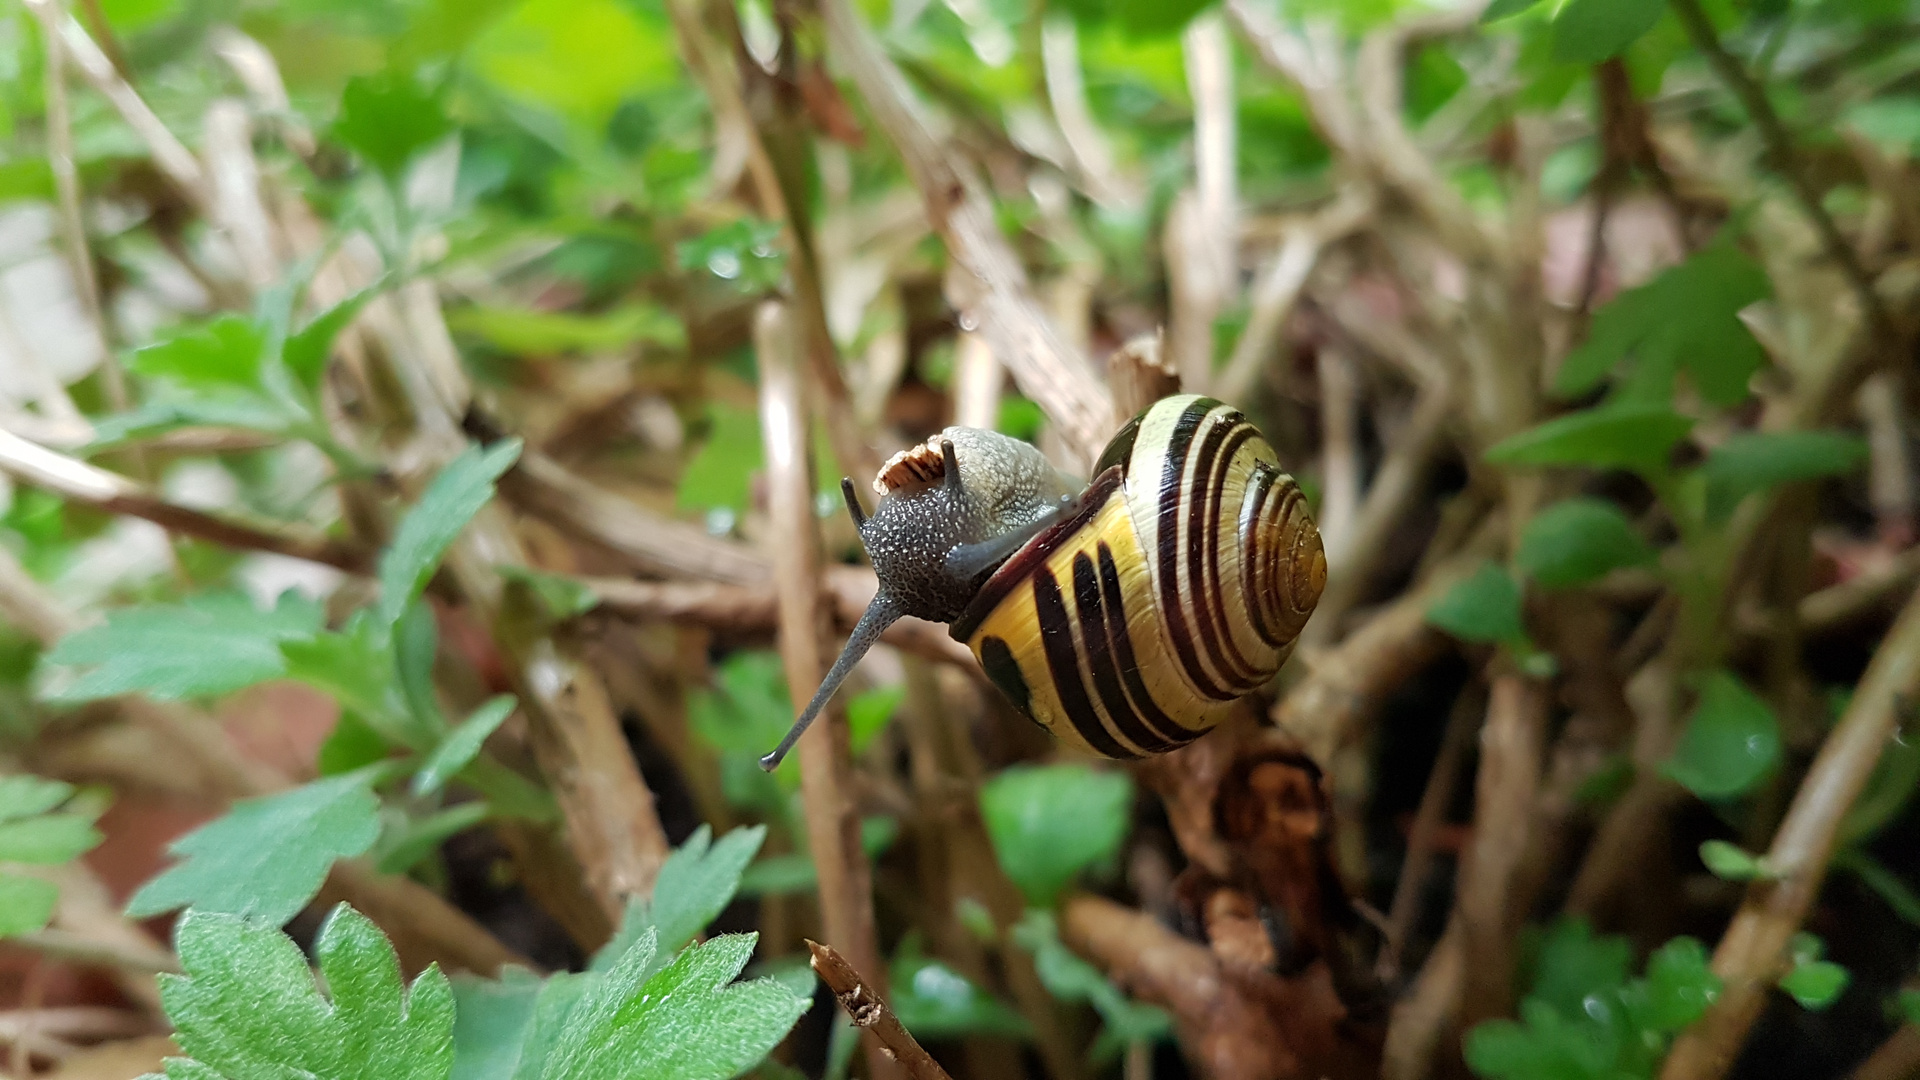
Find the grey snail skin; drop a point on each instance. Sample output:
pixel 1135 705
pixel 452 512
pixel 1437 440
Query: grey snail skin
pixel 1126 616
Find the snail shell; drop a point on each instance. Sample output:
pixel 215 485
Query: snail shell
pixel 1127 618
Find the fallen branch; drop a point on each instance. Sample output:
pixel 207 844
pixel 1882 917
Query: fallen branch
pixel 870 1013
pixel 112 493
pixel 1752 951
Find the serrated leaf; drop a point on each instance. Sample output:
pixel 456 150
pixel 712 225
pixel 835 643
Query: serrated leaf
pixel 1484 608
pixel 1816 984
pixel 389 117
pixel 1589 31
pixel 23 796
pixel 265 858
pixel 247 1006
pixel 1731 862
pixel 48 839
pixel 695 884
pixel 211 644
pixel 1577 541
pixel 444 509
pixel 685 1022
pixel 354 665
pixel 463 744
pixel 1687 319
pixel 1050 822
pixel 504 1028
pixel 1731 743
pixel 1629 436
pixel 353 744
pixel 34 829
pixel 1754 461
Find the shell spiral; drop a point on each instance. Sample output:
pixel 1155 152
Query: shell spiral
pixel 1178 585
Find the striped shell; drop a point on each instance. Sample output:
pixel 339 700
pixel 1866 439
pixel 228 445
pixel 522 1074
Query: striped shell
pixel 1177 586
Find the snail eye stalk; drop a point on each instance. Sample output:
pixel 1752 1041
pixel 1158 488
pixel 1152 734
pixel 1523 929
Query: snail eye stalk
pixel 858 515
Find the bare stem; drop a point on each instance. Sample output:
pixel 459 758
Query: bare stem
pixel 870 1013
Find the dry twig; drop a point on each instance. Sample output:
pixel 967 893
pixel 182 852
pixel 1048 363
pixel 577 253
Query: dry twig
pixel 833 821
pixel 870 1013
pixel 1753 948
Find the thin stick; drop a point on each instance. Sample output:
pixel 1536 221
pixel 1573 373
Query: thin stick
pixel 977 379
pixel 1512 744
pixel 80 949
pixel 1280 284
pixel 1753 949
pixel 1835 605
pixel 1887 335
pixel 173 159
pixel 1339 452
pixel 1047 368
pixel 93 486
pixel 870 1013
pixel 1067 94
pixel 1897 1059
pixel 826 774
pixel 73 228
pixel 1435 800
pixel 1140 374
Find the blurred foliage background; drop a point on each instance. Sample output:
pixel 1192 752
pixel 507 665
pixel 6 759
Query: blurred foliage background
pixel 420 426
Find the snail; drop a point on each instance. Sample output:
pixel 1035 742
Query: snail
pixel 1126 617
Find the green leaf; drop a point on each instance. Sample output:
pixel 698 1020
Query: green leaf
pixel 1589 31
pixel 1484 607
pixel 778 875
pixel 225 353
pixel 746 713
pixel 1687 319
pixel 524 331
pixel 1731 743
pixel 696 883
pixel 265 858
pixel 389 117
pixel 26 904
pixel 402 849
pixel 1680 984
pixel 211 644
pixel 562 596
pixel 721 471
pixel 463 744
pixel 1071 979
pixel 868 713
pixel 688 1021
pixel 1889 789
pixel 458 493
pixel 1050 822
pixel 1909 1005
pixel 1503 9
pixel 1733 863
pixel 744 252
pixel 1893 121
pixel 1627 436
pixel 34 829
pixel 356 667
pixel 936 1002
pixel 305 352
pixel 1816 984
pixel 1574 965
pixel 1577 541
pixel 1754 461
pixel 353 744
pixel 247 1006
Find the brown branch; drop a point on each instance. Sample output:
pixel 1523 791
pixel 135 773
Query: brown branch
pixel 1897 1059
pixel 1046 367
pixel 112 493
pixel 1752 951
pixel 870 1013
pixel 826 774
pixel 1836 605
pixel 1436 799
pixel 1512 744
pixel 1140 374
pixel 1092 153
pixel 1890 342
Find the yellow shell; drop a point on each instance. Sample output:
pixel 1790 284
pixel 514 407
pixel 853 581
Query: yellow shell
pixel 1177 586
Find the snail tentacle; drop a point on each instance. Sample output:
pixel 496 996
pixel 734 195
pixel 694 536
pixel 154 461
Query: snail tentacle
pixel 880 614
pixel 858 515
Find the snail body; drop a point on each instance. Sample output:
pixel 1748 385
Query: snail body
pixel 1126 618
